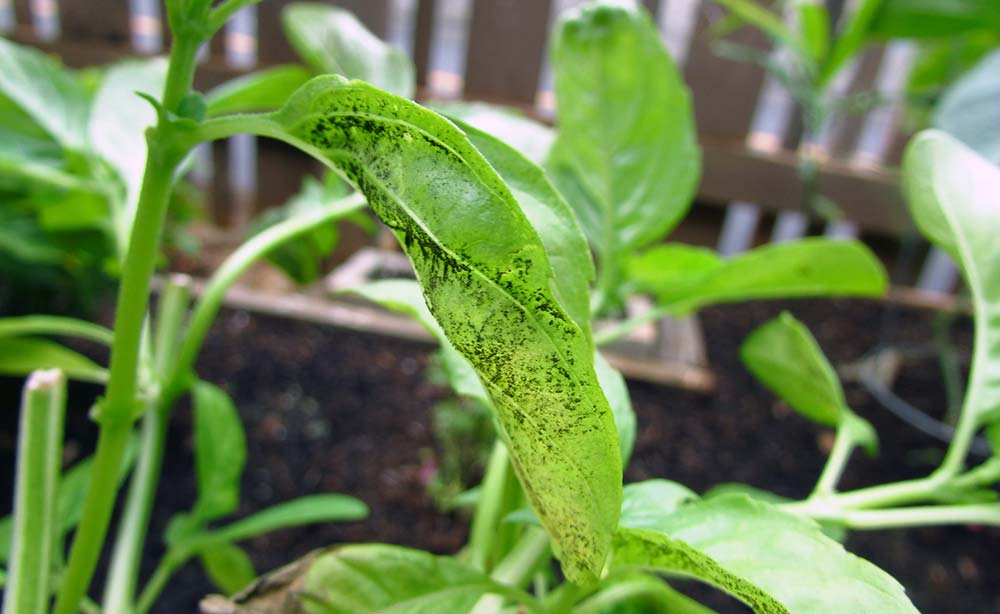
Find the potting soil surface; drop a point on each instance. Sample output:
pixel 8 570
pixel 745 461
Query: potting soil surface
pixel 327 410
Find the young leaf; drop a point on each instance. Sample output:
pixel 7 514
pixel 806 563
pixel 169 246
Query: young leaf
pixel 404 296
pixel 117 128
pixel 852 38
pixel 220 452
pixel 309 509
pixel 531 138
pixel 771 24
pixel 809 267
pixel 229 567
pixel 922 19
pixel 264 90
pixel 22 355
pixel 954 196
pixel 772 560
pixel 626 155
pixel 489 284
pixel 302 259
pixel 55 325
pixel 968 110
pixel 380 578
pixel 332 40
pixel 46 92
pixel 814 23
pixel 784 355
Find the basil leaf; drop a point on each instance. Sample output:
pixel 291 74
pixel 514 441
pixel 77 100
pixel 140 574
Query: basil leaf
pixel 45 91
pixel 331 40
pixel 488 282
pixel 626 156
pixel 954 196
pixel 769 559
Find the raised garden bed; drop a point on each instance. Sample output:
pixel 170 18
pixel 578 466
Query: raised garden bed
pixel 332 410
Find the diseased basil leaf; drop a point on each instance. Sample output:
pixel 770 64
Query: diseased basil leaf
pixel 531 138
pixel 771 560
pixel 553 220
pixel 489 284
pixel 331 40
pixel 626 156
pixel 405 296
pixel 954 196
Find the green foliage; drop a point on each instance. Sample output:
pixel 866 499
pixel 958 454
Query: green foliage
pixel 968 110
pixel 263 90
pixel 933 18
pixel 954 196
pixel 220 452
pixel 787 359
pixel 22 355
pixel 302 260
pixel 382 578
pixel 684 278
pixel 332 40
pixel 229 567
pixel 793 566
pixel 626 155
pixel 536 367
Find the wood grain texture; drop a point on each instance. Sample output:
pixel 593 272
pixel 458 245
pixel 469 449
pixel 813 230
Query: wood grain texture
pixel 507 41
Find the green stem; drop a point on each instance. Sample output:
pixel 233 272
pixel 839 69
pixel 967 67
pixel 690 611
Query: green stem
pixel 516 569
pixel 124 571
pixel 529 552
pixel 623 328
pixel 986 514
pixel 489 510
pixel 886 495
pixel 221 13
pixel 119 591
pixel 39 457
pixel 843 445
pixel 169 564
pixel 234 266
pixel 118 410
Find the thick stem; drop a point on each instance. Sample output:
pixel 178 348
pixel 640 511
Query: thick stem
pixel 516 569
pixel 843 445
pixel 39 456
pixel 886 495
pixel 118 411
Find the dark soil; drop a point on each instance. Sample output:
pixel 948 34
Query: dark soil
pixel 333 411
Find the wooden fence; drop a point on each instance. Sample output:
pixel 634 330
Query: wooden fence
pixel 495 50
